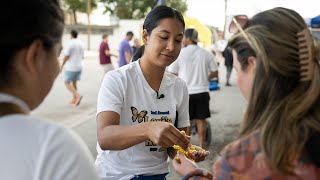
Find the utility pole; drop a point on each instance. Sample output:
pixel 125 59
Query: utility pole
pixel 89 25
pixel 225 18
pixel 132 10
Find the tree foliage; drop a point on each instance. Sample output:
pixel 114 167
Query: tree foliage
pixel 79 5
pixel 180 5
pixel 137 9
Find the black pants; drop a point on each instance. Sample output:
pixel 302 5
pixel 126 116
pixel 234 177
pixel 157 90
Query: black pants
pixel 229 70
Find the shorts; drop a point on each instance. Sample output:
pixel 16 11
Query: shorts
pixel 107 67
pixel 199 106
pixel 70 76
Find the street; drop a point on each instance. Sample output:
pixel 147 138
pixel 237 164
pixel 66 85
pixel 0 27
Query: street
pixel 227 108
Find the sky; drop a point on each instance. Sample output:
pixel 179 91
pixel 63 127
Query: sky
pixel 211 12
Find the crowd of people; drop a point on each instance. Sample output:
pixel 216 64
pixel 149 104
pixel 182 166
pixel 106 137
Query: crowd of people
pixel 144 105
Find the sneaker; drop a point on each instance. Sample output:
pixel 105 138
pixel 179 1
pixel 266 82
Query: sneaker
pixel 77 101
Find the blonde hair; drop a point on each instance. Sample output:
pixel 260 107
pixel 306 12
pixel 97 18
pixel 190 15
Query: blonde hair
pixel 285 110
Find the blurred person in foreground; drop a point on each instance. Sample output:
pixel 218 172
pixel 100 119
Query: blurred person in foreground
pixel 33 148
pixel 278 73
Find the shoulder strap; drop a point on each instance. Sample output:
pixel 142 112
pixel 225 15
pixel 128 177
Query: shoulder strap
pixel 7 108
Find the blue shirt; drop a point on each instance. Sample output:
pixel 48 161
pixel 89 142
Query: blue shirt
pixel 124 46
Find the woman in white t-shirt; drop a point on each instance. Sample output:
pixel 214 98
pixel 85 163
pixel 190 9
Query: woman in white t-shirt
pixel 138 104
pixel 31 148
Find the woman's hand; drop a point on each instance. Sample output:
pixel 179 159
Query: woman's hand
pixel 199 155
pixel 182 165
pixel 166 135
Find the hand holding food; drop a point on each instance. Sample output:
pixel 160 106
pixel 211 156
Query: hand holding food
pixel 166 135
pixel 183 165
pixel 194 153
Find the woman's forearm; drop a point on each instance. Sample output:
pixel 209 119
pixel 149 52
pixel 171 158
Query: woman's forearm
pixel 119 137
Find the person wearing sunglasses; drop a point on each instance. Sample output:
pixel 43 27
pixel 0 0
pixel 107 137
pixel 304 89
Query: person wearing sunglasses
pixel 278 74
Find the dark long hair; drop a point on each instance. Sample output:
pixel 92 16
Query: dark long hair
pixel 22 23
pixel 154 16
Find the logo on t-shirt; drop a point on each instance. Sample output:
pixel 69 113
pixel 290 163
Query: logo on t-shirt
pixel 142 116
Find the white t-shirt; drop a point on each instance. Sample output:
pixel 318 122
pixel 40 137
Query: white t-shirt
pixel 75 51
pixel 34 149
pixel 193 66
pixel 126 92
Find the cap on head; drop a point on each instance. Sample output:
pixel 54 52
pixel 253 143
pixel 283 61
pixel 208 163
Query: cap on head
pixel 192 34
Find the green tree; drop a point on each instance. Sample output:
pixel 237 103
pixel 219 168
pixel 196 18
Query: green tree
pixel 180 5
pixel 79 5
pixel 137 9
